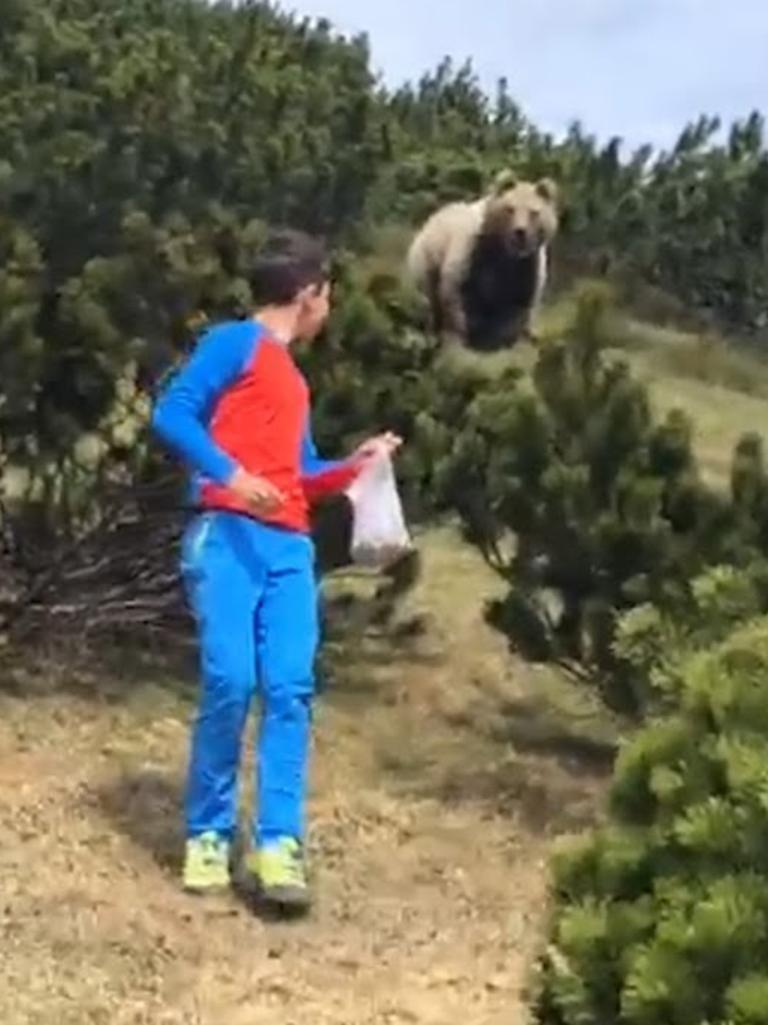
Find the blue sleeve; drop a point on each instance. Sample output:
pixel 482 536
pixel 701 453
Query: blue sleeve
pixel 311 463
pixel 324 477
pixel 182 412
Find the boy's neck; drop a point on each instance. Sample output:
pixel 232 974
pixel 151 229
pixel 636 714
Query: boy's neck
pixel 279 321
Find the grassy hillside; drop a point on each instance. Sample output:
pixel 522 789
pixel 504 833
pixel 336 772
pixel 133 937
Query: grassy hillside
pixel 446 768
pixel 723 387
pixel 145 146
pixel 444 771
pixel 725 391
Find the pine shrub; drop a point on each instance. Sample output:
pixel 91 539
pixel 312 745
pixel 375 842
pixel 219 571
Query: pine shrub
pixel 580 496
pixel 662 915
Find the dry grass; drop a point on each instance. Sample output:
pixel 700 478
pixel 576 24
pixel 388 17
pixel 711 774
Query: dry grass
pixel 444 769
pixel 720 417
pixel 723 389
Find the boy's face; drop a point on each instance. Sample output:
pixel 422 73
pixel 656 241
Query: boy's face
pixel 314 307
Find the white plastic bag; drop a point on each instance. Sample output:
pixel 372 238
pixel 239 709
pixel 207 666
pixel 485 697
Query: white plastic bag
pixel 379 533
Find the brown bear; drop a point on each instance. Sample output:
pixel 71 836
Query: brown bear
pixel 483 265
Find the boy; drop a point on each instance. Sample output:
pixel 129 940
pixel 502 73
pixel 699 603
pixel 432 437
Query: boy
pixel 238 414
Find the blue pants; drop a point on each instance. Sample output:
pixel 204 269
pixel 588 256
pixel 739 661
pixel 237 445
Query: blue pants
pixel 252 589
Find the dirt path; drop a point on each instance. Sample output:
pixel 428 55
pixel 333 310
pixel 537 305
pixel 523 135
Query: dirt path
pixel 441 775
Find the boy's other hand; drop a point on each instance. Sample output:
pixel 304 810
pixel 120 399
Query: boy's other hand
pixel 382 444
pixel 256 492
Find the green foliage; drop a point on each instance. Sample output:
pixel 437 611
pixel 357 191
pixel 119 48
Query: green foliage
pixel 603 502
pixel 140 139
pixel 589 505
pixel 145 145
pixel 663 915
pixel 653 644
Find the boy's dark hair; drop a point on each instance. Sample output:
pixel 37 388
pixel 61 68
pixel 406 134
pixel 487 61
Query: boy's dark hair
pixel 287 262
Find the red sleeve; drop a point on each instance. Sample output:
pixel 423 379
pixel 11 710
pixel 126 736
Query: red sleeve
pixel 337 477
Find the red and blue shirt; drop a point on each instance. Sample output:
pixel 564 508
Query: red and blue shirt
pixel 241 401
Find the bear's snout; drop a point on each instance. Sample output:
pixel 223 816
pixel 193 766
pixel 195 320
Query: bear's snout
pixel 522 240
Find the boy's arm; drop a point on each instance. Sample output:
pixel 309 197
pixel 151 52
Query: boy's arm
pixel 180 415
pixel 323 477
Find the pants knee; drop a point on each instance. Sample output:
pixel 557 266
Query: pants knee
pixel 290 706
pixel 227 699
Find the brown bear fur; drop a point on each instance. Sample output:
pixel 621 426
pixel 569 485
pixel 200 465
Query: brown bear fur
pixel 483 265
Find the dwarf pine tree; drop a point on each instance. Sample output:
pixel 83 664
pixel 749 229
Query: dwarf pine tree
pixel 662 915
pixel 577 494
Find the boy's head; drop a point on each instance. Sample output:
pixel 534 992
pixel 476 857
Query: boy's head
pixel 292 271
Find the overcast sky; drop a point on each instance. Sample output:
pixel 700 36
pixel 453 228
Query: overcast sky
pixel 635 68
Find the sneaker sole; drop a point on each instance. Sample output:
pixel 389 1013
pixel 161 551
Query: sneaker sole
pixel 286 897
pixel 273 905
pixel 207 890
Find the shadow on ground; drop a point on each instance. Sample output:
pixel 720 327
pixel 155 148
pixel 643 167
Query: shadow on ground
pixel 110 672
pixel 530 726
pixel 538 792
pixel 146 806
pixel 545 801
pixel 543 759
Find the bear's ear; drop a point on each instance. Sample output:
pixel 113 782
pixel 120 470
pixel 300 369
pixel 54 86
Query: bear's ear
pixel 548 190
pixel 504 180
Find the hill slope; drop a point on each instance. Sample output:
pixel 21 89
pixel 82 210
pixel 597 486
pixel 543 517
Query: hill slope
pixel 443 770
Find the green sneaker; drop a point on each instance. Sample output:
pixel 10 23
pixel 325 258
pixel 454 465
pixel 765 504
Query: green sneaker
pixel 206 865
pixel 281 873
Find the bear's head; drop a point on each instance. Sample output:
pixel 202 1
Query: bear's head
pixel 521 213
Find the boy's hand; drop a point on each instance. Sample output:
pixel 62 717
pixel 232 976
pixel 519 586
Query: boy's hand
pixel 256 492
pixel 382 444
